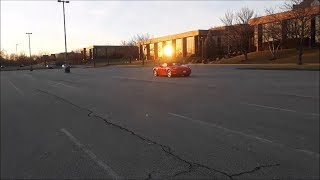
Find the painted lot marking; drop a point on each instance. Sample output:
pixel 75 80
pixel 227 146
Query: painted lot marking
pixel 303 96
pixel 220 127
pixel 15 87
pixel 307 152
pixel 280 109
pixel 55 84
pixel 91 154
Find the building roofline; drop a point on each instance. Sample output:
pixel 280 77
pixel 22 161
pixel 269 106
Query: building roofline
pixel 93 46
pixel 176 36
pixel 281 16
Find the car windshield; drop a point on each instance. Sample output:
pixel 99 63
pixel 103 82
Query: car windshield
pixel 143 90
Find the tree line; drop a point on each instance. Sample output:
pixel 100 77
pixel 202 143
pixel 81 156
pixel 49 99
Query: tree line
pixel 44 57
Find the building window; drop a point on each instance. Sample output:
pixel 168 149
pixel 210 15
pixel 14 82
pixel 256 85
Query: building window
pixel 151 51
pixel 294 27
pixel 160 49
pixel 190 45
pixel 256 35
pixel 178 47
pixel 271 32
pixel 168 43
pixel 144 50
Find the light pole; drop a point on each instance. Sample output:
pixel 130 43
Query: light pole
pixel 202 48
pixel 16 50
pixel 31 69
pixel 67 69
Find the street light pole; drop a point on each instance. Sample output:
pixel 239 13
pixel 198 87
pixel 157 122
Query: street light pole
pixel 202 48
pixel 67 69
pixel 31 69
pixel 16 50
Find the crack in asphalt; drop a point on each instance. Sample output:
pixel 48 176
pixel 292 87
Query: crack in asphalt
pixel 184 172
pixel 165 148
pixel 255 169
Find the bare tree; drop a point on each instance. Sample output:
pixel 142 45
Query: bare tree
pixel 138 40
pixel 272 32
pixel 244 30
pixel 239 32
pixel 3 53
pixel 228 18
pixel 12 56
pixel 228 21
pixel 141 40
pixel 123 43
pixel 131 42
pixel 299 23
pixel 77 50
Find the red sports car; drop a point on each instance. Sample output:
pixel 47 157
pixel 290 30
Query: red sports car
pixel 171 69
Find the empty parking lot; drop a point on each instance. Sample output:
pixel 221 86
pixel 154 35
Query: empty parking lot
pixel 121 122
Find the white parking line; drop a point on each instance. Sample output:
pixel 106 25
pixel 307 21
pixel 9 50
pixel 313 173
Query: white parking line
pixel 91 154
pixel 280 109
pixel 15 87
pixel 303 96
pixel 314 154
pixel 60 83
pixel 220 127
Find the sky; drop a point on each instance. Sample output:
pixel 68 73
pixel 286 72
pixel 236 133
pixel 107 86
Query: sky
pixel 107 22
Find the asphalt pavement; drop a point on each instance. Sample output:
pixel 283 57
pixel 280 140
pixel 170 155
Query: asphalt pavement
pixel 122 123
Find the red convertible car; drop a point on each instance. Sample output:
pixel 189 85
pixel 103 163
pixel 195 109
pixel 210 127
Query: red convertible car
pixel 171 69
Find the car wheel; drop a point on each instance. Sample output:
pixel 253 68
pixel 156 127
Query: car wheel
pixel 169 74
pixel 155 73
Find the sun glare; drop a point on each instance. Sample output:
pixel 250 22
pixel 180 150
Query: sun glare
pixel 168 50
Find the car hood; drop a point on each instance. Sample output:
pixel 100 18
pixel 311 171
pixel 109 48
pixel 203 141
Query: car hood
pixel 181 67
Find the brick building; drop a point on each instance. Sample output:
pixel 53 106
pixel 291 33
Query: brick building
pixel 284 20
pixel 183 45
pixel 98 52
